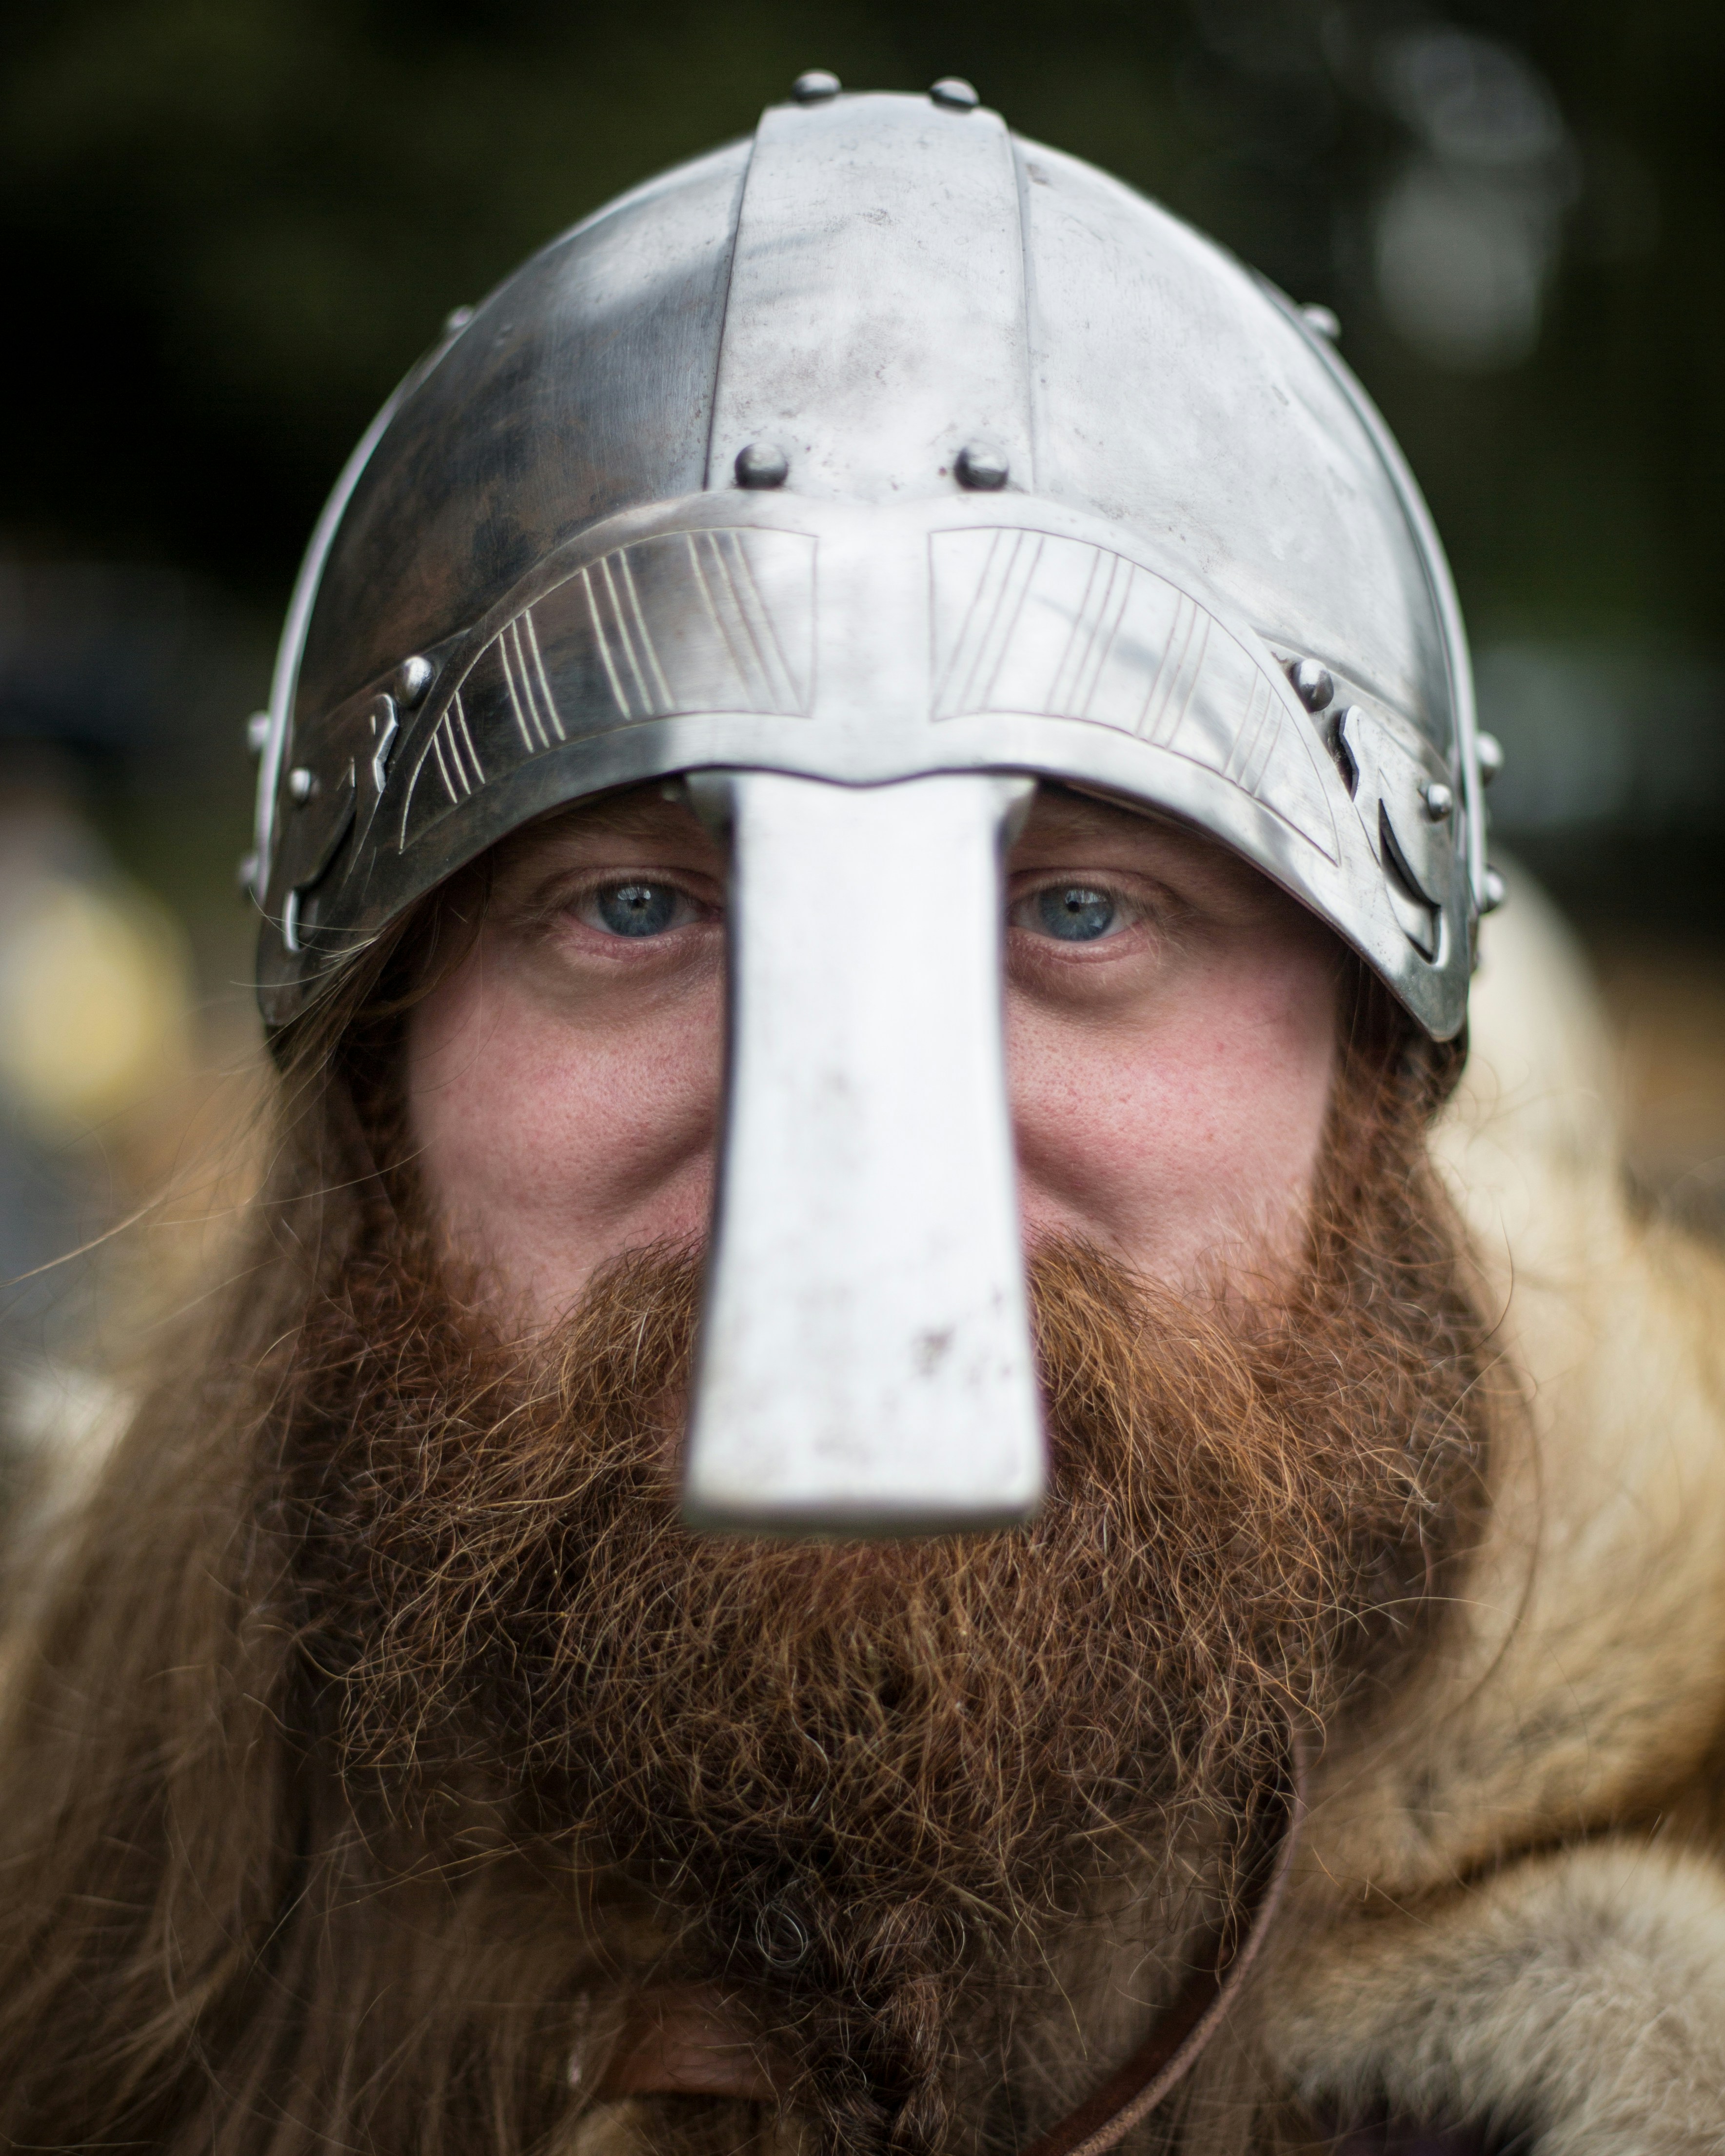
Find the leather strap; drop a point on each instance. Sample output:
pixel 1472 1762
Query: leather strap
pixel 1172 2049
pixel 682 2041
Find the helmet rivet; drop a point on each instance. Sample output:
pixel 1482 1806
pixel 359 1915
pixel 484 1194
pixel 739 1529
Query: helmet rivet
pixel 954 92
pixel 816 86
pixel 456 318
pixel 257 732
pixel 1313 683
pixel 1322 321
pixel 1439 801
pixel 1494 893
pixel 761 463
pixel 301 785
pixel 1489 752
pixel 984 470
pixel 413 678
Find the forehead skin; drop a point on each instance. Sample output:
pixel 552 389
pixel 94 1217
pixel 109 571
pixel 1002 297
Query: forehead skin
pixel 1168 1082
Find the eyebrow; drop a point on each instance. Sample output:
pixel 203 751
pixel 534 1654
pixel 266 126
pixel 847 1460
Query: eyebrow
pixel 1067 811
pixel 627 818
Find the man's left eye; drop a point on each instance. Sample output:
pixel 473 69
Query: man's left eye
pixel 1073 912
pixel 636 909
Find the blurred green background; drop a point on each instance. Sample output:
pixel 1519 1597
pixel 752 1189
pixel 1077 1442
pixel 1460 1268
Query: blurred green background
pixel 229 225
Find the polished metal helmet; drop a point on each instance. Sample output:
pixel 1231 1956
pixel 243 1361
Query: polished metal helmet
pixel 858 475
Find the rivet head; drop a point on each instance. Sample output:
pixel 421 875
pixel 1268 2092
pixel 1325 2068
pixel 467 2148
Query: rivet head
pixel 257 732
pixel 301 785
pixel 1322 321
pixel 1313 684
pixel 457 319
pixel 1440 800
pixel 955 93
pixel 984 470
pixel 1494 892
pixel 413 678
pixel 815 87
pixel 1489 752
pixel 761 463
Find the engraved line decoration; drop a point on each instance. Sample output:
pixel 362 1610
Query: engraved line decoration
pixel 1178 664
pixel 530 698
pixel 548 701
pixel 651 684
pixel 601 642
pixel 1254 741
pixel 1029 622
pixel 458 762
pixel 719 567
pixel 1094 628
pixel 964 680
pixel 710 620
pixel 509 648
pixel 617 646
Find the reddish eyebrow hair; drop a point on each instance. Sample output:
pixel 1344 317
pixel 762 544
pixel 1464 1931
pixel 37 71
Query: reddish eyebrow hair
pixel 640 808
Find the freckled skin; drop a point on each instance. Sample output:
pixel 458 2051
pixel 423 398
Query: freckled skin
pixel 1169 1075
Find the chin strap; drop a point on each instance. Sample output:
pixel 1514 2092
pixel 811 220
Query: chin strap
pixel 1171 2049
pixel 682 2040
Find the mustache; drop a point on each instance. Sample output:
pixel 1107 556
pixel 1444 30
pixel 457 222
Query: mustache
pixel 1206 1462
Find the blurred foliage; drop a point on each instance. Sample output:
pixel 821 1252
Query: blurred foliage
pixel 231 225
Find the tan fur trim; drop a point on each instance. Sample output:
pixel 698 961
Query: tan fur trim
pixel 1582 1996
pixel 1584 1678
pixel 1579 1992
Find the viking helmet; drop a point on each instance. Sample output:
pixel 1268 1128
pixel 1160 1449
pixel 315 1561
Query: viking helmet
pixel 857 476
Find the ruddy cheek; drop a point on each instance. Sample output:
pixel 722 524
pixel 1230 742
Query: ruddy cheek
pixel 1185 1131
pixel 549 1149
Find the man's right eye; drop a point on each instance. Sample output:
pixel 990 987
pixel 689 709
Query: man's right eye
pixel 636 908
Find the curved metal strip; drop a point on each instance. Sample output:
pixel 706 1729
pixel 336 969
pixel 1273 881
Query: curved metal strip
pixel 714 619
pixel 1025 621
pixel 864 645
pixel 875 325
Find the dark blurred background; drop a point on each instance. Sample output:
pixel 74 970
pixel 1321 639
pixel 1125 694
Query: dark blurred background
pixel 229 225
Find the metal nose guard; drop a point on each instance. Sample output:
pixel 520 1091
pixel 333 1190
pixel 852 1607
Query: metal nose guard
pixel 864 1365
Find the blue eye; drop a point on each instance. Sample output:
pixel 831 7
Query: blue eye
pixel 638 909
pixel 1076 912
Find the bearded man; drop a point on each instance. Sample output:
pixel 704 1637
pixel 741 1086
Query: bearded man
pixel 856 1491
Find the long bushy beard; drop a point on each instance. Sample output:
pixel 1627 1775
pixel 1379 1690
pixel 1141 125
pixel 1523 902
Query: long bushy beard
pixel 852 1780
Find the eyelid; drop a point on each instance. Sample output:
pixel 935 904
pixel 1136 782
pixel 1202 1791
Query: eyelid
pixel 570 886
pixel 1149 895
pixel 1124 891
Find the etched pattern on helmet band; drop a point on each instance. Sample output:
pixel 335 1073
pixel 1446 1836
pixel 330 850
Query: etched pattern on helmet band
pixel 715 620
pixel 1028 621
pixel 537 718
pixel 458 761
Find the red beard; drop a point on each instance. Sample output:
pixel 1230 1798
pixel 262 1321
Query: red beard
pixel 854 1780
